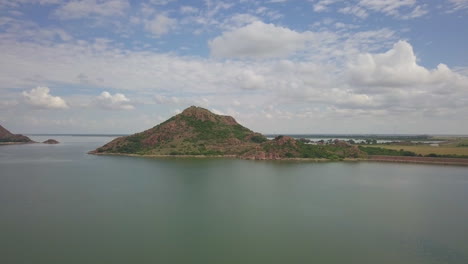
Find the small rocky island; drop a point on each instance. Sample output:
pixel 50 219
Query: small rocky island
pixel 198 132
pixel 6 137
pixel 51 141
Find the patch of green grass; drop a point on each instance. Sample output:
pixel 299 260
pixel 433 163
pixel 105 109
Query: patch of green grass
pixel 133 144
pixel 215 131
pixel 386 151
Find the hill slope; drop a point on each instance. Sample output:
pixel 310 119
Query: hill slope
pixel 8 137
pixel 197 131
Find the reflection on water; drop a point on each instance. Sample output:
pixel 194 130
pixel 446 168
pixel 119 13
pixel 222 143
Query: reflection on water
pixel 60 205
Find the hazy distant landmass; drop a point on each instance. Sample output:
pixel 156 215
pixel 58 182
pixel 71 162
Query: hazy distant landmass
pixel 8 137
pixel 51 141
pixel 197 131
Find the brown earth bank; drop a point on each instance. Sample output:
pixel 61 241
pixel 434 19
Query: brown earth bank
pixel 425 160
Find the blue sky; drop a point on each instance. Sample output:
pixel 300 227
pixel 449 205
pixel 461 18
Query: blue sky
pixel 277 66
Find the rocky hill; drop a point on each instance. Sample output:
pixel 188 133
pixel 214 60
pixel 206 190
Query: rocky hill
pixel 197 131
pixel 8 137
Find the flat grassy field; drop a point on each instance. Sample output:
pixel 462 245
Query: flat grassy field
pixel 426 149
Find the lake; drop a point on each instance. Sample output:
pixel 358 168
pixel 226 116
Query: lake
pixel 61 205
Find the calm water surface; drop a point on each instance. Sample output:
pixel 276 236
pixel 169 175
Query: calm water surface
pixel 60 205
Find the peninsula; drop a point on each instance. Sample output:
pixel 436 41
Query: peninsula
pixel 198 132
pixel 6 137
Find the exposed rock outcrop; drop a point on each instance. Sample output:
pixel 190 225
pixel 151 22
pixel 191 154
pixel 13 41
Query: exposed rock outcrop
pixel 8 137
pixel 197 131
pixel 51 141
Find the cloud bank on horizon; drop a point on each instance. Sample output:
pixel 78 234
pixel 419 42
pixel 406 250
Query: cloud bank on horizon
pixel 317 66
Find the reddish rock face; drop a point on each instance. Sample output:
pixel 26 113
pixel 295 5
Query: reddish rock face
pixel 205 115
pixel 195 130
pixel 282 140
pixel 341 143
pixel 262 155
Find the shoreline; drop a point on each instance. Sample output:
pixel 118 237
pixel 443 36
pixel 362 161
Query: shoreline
pixel 17 143
pixel 392 159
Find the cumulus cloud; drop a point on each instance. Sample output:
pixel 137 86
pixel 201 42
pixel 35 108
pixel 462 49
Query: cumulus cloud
pixel 117 101
pixel 258 40
pixel 40 97
pixel 160 25
pixel 84 8
pixel 362 82
pixel 397 68
pixel 393 82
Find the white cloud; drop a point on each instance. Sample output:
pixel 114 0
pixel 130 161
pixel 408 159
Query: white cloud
pixel 458 5
pixel 161 99
pixel 84 8
pixel 265 41
pixel 117 101
pixel 188 9
pixel 250 80
pixel 322 5
pixel 39 97
pixel 398 68
pixel 160 25
pixel 335 76
pixel 17 3
pixel 238 20
pixel 6 104
pixel 161 2
pixel 354 10
pixel 400 9
pixel 258 40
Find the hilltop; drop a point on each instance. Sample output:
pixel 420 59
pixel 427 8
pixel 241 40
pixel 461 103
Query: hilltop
pixel 8 137
pixel 197 131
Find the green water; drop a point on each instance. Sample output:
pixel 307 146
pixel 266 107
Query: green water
pixel 60 205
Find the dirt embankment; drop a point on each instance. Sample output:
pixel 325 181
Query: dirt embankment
pixel 428 160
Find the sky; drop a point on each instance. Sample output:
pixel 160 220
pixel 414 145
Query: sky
pixel 277 66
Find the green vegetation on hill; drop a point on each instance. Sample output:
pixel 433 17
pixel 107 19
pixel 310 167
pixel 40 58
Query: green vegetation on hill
pixel 197 131
pixel 386 152
pixel 215 131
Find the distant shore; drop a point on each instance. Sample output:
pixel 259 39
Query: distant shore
pixel 375 158
pixel 16 143
pixel 421 160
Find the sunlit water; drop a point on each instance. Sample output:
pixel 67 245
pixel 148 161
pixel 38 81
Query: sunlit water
pixel 60 205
